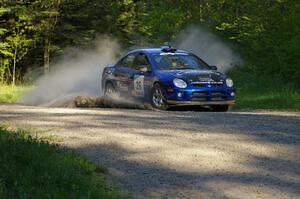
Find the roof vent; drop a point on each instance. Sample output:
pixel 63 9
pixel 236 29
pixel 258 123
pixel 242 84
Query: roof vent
pixel 168 49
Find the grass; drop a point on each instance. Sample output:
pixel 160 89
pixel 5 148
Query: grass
pixel 266 93
pixel 12 94
pixel 31 167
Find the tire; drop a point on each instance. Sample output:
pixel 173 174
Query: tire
pixel 110 92
pixel 220 108
pixel 158 99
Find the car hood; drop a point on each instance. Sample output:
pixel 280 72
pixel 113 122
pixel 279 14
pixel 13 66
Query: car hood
pixel 192 76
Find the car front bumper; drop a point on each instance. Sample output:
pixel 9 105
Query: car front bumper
pixel 201 96
pixel 203 103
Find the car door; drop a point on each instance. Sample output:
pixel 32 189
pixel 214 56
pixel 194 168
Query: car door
pixel 141 77
pixel 123 73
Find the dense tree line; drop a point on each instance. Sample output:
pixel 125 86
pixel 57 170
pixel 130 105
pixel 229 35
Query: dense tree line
pixel 33 32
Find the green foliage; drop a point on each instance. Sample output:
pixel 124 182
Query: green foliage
pixel 162 21
pixel 4 63
pixel 266 34
pixel 17 46
pixel 12 94
pixel 31 167
pixel 258 91
pixel 3 45
pixel 17 39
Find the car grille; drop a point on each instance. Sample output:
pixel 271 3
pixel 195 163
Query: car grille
pixel 200 93
pixel 217 93
pixel 209 96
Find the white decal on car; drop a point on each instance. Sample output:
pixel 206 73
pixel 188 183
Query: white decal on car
pixel 173 53
pixel 139 84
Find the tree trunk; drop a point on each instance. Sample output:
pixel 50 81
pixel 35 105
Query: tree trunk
pixel 14 68
pixel 46 55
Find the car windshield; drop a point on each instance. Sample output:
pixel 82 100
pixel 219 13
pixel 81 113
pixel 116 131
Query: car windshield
pixel 182 61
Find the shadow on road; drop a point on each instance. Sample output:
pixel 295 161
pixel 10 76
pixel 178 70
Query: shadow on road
pixel 147 180
pixel 155 154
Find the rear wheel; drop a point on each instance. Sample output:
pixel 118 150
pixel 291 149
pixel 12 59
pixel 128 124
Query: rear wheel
pixel 220 108
pixel 110 91
pixel 158 98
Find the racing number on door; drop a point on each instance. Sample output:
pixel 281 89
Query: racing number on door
pixel 139 84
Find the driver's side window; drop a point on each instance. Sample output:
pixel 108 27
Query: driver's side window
pixel 141 60
pixel 127 61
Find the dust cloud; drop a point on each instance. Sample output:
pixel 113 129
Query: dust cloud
pixel 209 47
pixel 78 73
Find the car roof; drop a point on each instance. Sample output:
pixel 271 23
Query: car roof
pixel 154 51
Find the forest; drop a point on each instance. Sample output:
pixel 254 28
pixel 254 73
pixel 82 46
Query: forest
pixel 265 33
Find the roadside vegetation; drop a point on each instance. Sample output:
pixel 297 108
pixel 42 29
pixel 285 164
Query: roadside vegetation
pixel 12 94
pixel 32 167
pixel 34 34
pixel 256 92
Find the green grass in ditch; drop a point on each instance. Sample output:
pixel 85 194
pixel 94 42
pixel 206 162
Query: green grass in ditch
pixel 263 92
pixel 33 168
pixel 12 94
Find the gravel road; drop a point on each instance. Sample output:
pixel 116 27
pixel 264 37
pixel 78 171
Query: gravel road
pixel 153 154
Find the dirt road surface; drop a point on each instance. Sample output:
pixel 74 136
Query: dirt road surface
pixel 153 154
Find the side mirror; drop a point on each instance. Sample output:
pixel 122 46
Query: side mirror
pixel 144 68
pixel 214 67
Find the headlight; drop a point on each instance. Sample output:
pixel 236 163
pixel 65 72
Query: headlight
pixel 229 82
pixel 179 83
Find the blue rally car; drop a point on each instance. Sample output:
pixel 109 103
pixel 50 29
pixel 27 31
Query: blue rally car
pixel 168 77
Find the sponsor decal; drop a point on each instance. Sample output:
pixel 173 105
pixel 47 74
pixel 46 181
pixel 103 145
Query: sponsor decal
pixel 138 84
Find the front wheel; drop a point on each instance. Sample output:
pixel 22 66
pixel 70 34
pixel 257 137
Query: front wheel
pixel 158 98
pixel 220 108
